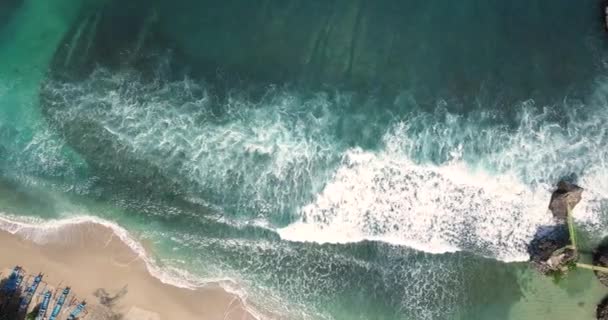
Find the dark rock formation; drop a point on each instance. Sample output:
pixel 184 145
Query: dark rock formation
pixel 549 251
pixel 567 195
pixel 602 310
pixel 559 262
pixel 600 258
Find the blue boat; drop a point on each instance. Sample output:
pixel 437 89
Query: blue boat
pixel 44 306
pixel 59 304
pixel 14 280
pixel 77 311
pixel 19 281
pixel 24 302
pixel 10 286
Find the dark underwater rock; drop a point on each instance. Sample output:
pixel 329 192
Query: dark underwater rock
pixel 566 195
pixel 600 258
pixel 602 310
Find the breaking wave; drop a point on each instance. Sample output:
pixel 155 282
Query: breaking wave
pixel 300 164
pixel 444 182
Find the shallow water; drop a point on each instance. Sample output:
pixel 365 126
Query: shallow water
pixel 320 197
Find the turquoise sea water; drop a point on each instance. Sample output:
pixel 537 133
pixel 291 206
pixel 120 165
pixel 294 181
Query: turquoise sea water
pixel 410 196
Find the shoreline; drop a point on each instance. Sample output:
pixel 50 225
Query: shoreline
pixel 92 258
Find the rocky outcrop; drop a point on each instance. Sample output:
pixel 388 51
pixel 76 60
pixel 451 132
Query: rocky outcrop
pixel 550 252
pixel 600 258
pixel 559 262
pixel 602 310
pixel 567 195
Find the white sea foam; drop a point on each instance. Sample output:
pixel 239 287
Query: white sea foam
pixel 457 204
pixel 44 231
pixel 248 157
pixel 439 182
pixel 435 209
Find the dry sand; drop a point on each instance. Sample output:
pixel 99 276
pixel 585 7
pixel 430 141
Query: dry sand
pixel 89 257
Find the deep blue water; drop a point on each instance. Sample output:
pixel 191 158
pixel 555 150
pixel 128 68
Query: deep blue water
pixel 404 183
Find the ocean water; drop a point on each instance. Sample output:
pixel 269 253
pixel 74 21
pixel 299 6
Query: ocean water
pixel 318 200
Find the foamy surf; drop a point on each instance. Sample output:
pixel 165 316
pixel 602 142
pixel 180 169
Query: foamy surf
pixel 436 209
pixel 443 183
pixel 385 196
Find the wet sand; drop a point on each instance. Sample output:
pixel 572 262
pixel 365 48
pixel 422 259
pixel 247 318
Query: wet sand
pixel 91 258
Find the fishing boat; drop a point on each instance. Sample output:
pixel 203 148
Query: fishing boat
pixel 13 282
pixel 29 293
pixel 77 311
pixel 10 287
pixel 44 306
pixel 59 304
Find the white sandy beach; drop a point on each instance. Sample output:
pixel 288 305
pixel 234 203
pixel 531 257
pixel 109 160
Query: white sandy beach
pixel 89 257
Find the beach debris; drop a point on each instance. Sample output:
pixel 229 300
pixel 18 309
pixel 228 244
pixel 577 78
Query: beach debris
pixel 567 196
